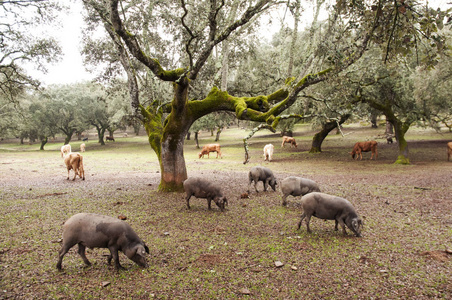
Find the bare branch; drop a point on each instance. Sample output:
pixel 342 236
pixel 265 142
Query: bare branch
pixel 192 36
pixel 261 6
pixel 250 135
pixel 394 24
pixel 135 49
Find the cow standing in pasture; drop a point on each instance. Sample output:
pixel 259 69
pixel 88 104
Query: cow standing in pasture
pixel 289 140
pixel 268 152
pixel 364 147
pixel 210 148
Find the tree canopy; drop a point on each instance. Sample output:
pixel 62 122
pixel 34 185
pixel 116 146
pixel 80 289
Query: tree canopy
pixel 178 42
pixel 20 42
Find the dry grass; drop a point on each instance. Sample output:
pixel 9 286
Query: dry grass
pixel 201 254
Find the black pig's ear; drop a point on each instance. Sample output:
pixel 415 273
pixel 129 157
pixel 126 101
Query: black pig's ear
pixel 146 248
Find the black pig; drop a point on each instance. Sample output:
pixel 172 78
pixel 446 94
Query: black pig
pixel 98 231
pixel 324 206
pixel 201 188
pixel 263 174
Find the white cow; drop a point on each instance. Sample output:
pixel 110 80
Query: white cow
pixel 268 152
pixel 65 149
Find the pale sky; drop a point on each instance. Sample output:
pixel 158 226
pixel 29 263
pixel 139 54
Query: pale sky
pixel 71 70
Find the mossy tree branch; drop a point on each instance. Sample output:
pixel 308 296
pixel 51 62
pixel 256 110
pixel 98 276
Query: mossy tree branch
pixel 134 47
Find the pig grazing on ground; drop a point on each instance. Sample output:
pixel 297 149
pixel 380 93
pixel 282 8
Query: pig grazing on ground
pixel 330 207
pixel 263 174
pixel 297 186
pixel 201 188
pixel 98 231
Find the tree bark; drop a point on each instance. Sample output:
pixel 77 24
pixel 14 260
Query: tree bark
pixel 320 136
pixel 292 50
pixel 400 129
pixel 173 167
pixel 100 135
pixel 217 138
pixel 389 128
pixel 43 142
pixel 373 119
pixel 196 139
pixel 68 137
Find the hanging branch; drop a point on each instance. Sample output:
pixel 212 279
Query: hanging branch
pixel 272 128
pixel 394 25
pixel 192 36
pixel 215 39
pixel 245 140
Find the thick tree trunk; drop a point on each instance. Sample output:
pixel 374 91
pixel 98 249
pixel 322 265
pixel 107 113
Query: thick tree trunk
pixel 217 138
pixel 320 136
pixel 136 128
pixel 389 128
pixel 43 142
pixel 196 139
pixel 373 119
pixel 173 169
pixel 100 135
pixel 400 130
pixel 68 138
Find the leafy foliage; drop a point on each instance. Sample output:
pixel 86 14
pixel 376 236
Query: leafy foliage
pixel 20 42
pixel 194 31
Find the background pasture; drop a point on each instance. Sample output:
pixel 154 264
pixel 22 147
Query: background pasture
pixel 199 254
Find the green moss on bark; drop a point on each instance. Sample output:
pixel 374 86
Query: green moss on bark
pixel 402 160
pixel 315 150
pixel 152 123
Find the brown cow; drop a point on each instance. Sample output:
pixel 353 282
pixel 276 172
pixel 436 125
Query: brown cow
pixel 210 148
pixel 290 140
pixel 364 147
pixel 449 150
pixel 74 161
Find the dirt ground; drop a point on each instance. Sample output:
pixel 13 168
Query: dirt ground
pixel 202 254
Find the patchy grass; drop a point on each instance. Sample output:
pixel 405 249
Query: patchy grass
pixel 201 254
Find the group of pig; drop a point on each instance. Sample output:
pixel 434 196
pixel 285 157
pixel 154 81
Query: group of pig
pixel 98 231
pixel 314 202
